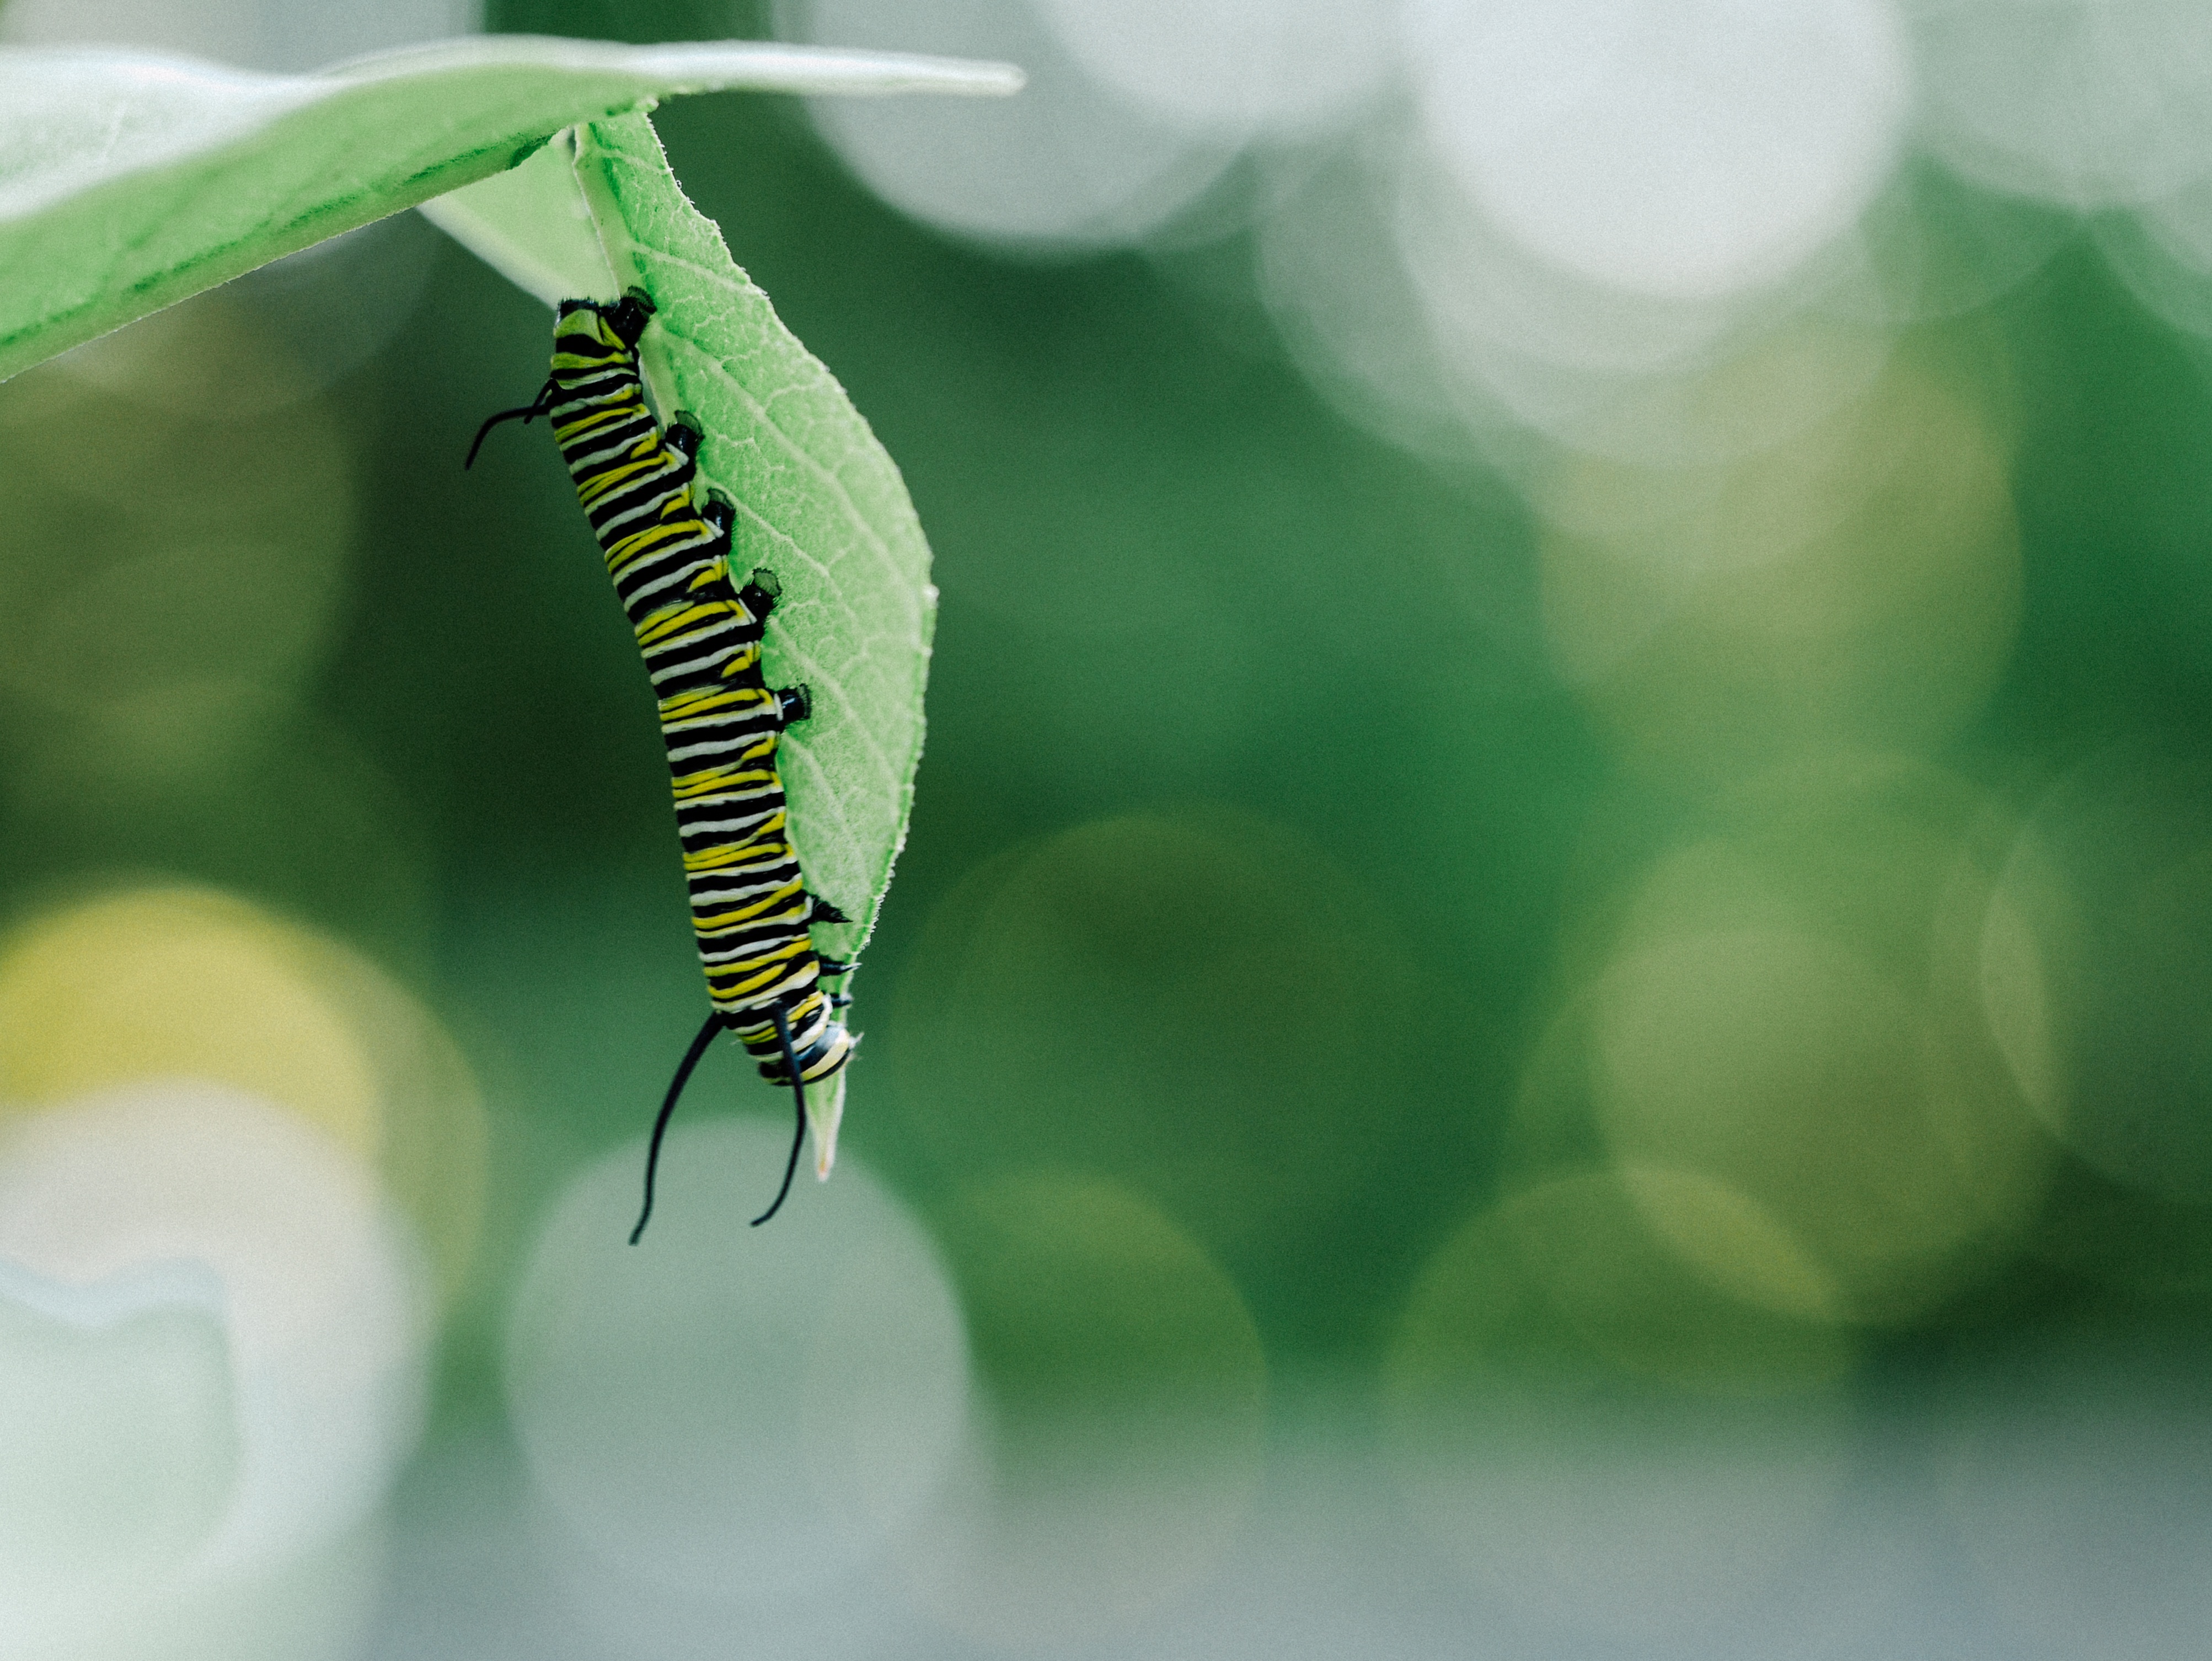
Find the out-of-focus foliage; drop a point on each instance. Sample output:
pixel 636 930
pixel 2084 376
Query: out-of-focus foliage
pixel 1550 977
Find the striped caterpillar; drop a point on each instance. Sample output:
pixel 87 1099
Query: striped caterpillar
pixel 701 634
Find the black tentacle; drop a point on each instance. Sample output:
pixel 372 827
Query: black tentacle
pixel 799 1131
pixel 529 412
pixel 667 1108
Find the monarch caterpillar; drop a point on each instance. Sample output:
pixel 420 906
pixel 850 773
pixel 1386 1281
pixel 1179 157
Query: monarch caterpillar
pixel 700 635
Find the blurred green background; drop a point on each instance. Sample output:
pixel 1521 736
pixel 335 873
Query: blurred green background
pixel 1459 941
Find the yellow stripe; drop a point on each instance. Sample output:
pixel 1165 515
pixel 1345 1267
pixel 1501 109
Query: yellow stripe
pixel 767 840
pixel 790 897
pixel 714 779
pixel 610 412
pixel 735 855
pixel 755 978
pixel 652 539
pixel 697 702
pixel 660 625
pixel 798 1017
pixel 646 458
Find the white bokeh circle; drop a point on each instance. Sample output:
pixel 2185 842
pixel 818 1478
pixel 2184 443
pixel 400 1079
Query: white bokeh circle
pixel 2089 103
pixel 1067 165
pixel 1683 148
pixel 1287 66
pixel 322 1305
pixel 259 35
pixel 748 1412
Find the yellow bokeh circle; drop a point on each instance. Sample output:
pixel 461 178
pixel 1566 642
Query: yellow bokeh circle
pixel 188 983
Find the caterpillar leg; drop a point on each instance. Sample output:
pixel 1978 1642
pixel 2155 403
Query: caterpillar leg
pixel 820 910
pixel 761 590
pixel 627 317
pixel 720 518
pixel 682 437
pixel 830 969
pixel 796 703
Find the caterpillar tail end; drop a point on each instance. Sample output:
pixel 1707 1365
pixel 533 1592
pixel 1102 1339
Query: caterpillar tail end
pixel 823 1110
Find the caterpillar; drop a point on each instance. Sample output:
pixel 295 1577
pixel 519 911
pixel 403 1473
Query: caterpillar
pixel 700 635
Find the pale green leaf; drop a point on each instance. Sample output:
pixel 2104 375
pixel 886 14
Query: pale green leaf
pixel 129 181
pixel 531 224
pixel 819 501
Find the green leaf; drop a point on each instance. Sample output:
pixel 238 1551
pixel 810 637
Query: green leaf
pixel 129 181
pixel 532 226
pixel 818 501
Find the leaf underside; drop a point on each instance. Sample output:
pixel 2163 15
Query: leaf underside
pixel 130 181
